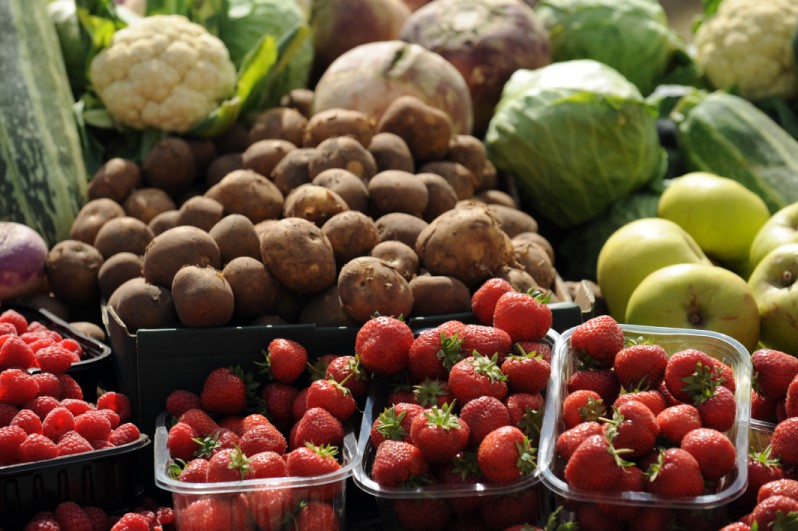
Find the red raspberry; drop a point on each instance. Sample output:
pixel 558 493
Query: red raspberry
pixel 44 521
pixel 165 515
pixel 73 443
pixel 112 417
pixel 117 402
pixel 41 405
pixel 69 387
pixel 72 517
pixel 180 401
pixel 16 353
pixel 10 439
pixel 101 445
pixel 17 386
pixel 124 434
pixel 28 421
pixel 180 441
pixel 98 517
pixel 54 359
pixel 37 447
pixel 132 522
pixel 40 343
pixel 93 426
pixel 7 329
pixel 72 346
pixel 48 384
pixel 16 319
pixel 58 422
pixel 76 406
pixel 7 412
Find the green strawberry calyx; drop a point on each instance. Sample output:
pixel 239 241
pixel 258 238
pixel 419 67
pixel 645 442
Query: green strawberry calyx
pixel 701 385
pixel 428 392
pixel 449 353
pixel 175 468
pixel 765 457
pixel 324 450
pixel 465 465
pixel 248 379
pixel 487 366
pixel 609 436
pixel 527 459
pixel 523 354
pixel 390 424
pixel 542 296
pixel 785 522
pixel 635 341
pixel 593 410
pixel 207 445
pixel 442 417
pixel 531 422
pixel 239 460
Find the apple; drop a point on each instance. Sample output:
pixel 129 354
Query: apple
pixel 773 282
pixel 721 215
pixel 781 228
pixel 699 296
pixel 637 249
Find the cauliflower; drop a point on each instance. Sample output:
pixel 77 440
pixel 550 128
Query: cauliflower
pixel 163 72
pixel 747 43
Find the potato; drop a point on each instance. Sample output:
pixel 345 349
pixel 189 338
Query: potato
pixel 202 297
pixel 254 290
pixel 268 320
pixel 298 255
pixel 204 152
pixel 512 220
pixel 438 295
pixel 390 152
pixel 221 166
pixel 125 234
pixel 236 237
pixel 343 152
pixel 164 221
pixel 288 304
pixel 490 176
pixel 469 151
pixel 521 281
pixel 338 122
pixel 89 329
pixel 142 305
pixel 170 166
pixel 351 234
pixel 300 99
pixel 72 267
pixel 496 197
pixel 279 123
pixel 346 184
pixel 293 170
pixel 425 129
pixel 536 262
pixel 262 227
pixel 117 270
pixel 441 195
pixel 313 203
pixel 92 217
pixel 248 193
pixel 536 238
pixel 234 140
pixel 115 179
pixel 368 285
pixel 326 309
pixel 175 248
pixel 146 203
pixel 457 175
pixel 397 191
pixel 264 155
pixel 400 226
pixel 399 255
pixel 199 211
pixel 466 243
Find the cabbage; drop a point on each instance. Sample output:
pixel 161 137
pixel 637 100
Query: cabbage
pixel 632 36
pixel 577 136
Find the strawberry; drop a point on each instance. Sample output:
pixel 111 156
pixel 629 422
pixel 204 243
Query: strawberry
pixel 582 406
pixel 28 421
pixel 773 372
pixel 400 392
pixel 541 348
pixel 181 441
pixel 277 400
pixel 397 463
pixel 526 372
pixel 483 415
pixel 71 516
pixel 270 509
pixel 569 440
pixel 791 399
pixel 180 401
pixel 93 426
pixel 263 438
pixel 383 345
pixel 653 399
pixel 485 340
pixel 602 381
pixel 251 421
pixel 524 316
pixel 675 473
pixel 300 404
pixel 779 487
pixel 232 423
pixel 633 427
pixel 318 516
pixel 17 386
pixel 598 339
pixel 421 513
pixel 762 468
pixel 11 437
pixel 70 388
pixel 73 443
pixel 675 421
pixel 652 518
pixel 689 373
pixel 776 512
pixel 521 407
pixel 484 299
pixel 332 396
pixel 713 451
pixel 195 471
pixel 394 423
pixel 124 434
pixel 54 359
pixel 595 465
pixel 225 391
pixel 736 526
pixel 439 433
pixel 215 512
pixel 311 460
pixel 36 447
pixel 116 402
pixel 476 376
pixel 724 374
pixel 462 472
pixel 285 360
pixel 318 368
pixel 433 353
pixel 505 455
pixel 318 426
pixel 348 371
pixel 228 464
pixel 15 353
pixel 640 366
pixel 633 481
pixel 590 517
pixel 432 393
pixel 718 411
pixel 509 509
pixel 267 465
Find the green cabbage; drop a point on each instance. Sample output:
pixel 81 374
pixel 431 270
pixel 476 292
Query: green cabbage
pixel 576 136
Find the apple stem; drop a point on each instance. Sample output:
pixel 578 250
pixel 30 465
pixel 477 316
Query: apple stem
pixel 695 318
pixel 787 276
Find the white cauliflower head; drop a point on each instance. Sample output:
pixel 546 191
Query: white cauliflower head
pixel 747 44
pixel 163 72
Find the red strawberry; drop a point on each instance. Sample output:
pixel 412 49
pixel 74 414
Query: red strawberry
pixel 195 471
pixel 652 399
pixel 439 434
pixel 11 437
pixel 396 463
pixel 348 370
pixel 225 391
pixel 689 373
pixel 228 464
pixel 779 487
pixel 569 440
pixel 641 366
pixel 251 421
pixel 713 451
pixel 57 422
pixel 595 465
pixel 318 368
pixel 598 339
pixel 93 426
pixel 300 404
pixel 71 516
pixel 675 421
pixel 433 353
pixel 17 386
pixel 675 473
pixel 318 516
pixel 485 340
pixel 263 438
pixel 400 392
pixel 124 434
pixel 421 513
pixel 311 460
pixel 541 348
pixel 432 393
pixel 652 518
pixel 117 402
pixel 527 372
pixel 332 396
pixel 318 426
pixel 394 423
pixel 633 427
pixel 180 401
pixel 791 400
pixel 383 345
pixel 285 360
pixel 483 415
pixel 505 455
pixel 267 465
pixel 718 411
pixel 582 406
pixel 36 447
pixel 15 353
pixel 773 372
pixel 602 381
pixel 484 299
pixel 524 408
pixel 270 508
pixel 774 512
pixel 762 468
pixel 180 441
pixel 73 443
pixel 525 317
pixel 476 376
pixel 590 517
pixel 461 472
pixel 509 509
pixel 764 409
pixel 28 421
pixel 215 512
pixel 54 359
pixel 277 400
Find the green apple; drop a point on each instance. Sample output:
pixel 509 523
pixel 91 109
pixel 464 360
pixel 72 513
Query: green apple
pixel 721 215
pixel 699 296
pixel 637 249
pixel 781 228
pixel 773 282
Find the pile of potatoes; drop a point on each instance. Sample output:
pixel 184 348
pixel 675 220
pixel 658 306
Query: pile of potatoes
pixel 326 218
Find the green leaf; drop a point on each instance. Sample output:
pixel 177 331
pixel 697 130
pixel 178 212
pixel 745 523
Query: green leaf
pixel 711 7
pixel 168 7
pixel 208 13
pixel 93 150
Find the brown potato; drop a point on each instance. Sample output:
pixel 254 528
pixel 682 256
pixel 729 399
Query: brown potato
pixel 425 129
pixel 496 197
pixel 439 295
pixel 313 203
pixel 262 227
pixel 288 304
pixel 142 305
pixel 442 196
pixel 390 152
pixel 125 234
pixel 512 220
pixel 221 166
pixel 399 255
pixel 298 255
pixel 234 140
pixel 89 329
pixel 469 151
pixel 204 152
pixel 72 267
pixel 521 281
pixel 368 285
pixel 117 270
pixel 351 234
pixel 236 236
pixel 254 290
pixel 293 170
pixel 300 99
pixel 326 309
pixel 170 166
pixel 175 248
pixel 490 176
pixel 535 237
pixel 343 152
pixel 92 216
pixel 199 211
pixel 279 123
pixel 202 297
pixel 146 203
pixel 248 193
pixel 536 262
pixel 350 187
pixel 164 221
pixel 397 191
pixel 338 122
pixel 264 155
pixel 400 226
pixel 115 179
pixel 457 175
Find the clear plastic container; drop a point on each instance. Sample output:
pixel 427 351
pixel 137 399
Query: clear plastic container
pixel 273 499
pixel 476 506
pixel 719 346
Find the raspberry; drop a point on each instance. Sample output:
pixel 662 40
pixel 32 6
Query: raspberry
pixel 7 412
pixel 69 387
pixel 93 426
pixel 40 343
pixel 16 319
pixel 180 441
pixel 44 521
pixel 17 386
pixel 112 417
pixel 101 445
pixel 58 422
pixel 16 353
pixel 48 384
pixel 73 443
pixel 72 517
pixel 76 406
pixel 28 421
pixel 180 401
pixel 41 405
pixel 98 517
pixel 124 434
pixel 37 447
pixel 54 359
pixel 7 329
pixel 72 346
pixel 165 515
pixel 132 522
pixel 117 402
pixel 10 439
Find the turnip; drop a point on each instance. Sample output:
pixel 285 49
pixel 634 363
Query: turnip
pixel 23 253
